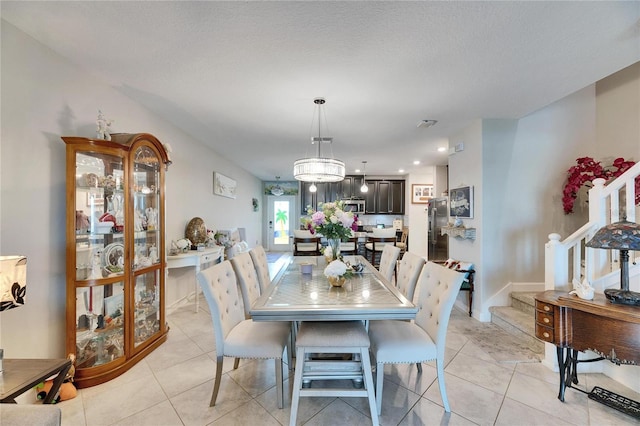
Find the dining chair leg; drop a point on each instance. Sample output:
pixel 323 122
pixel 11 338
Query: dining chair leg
pixel 279 380
pixel 236 363
pixel 368 383
pixel 379 380
pixel 419 365
pixel 297 385
pixel 443 389
pixel 216 381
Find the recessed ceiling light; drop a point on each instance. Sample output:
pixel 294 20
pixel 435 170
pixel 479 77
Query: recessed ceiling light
pixel 357 170
pixel 442 149
pixel 426 123
pixel 400 170
pixel 416 162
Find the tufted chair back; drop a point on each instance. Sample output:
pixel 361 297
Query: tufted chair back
pixel 388 260
pixel 259 257
pixel 247 279
pixel 221 292
pixel 408 273
pixel 436 293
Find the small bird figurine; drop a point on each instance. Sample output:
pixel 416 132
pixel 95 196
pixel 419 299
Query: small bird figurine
pixel 583 289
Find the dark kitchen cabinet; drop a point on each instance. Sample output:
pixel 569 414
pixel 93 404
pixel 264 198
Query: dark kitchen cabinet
pixel 383 197
pixel 350 187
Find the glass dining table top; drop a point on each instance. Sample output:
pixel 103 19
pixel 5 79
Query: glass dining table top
pixel 294 296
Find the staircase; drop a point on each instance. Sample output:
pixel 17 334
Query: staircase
pixel 519 320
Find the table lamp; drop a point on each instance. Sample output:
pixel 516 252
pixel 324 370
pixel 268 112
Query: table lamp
pixel 13 285
pixel 623 236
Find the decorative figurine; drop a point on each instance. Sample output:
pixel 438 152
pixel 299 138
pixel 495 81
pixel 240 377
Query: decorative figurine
pixel 102 129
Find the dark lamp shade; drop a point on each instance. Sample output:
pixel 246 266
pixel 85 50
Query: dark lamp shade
pixel 623 235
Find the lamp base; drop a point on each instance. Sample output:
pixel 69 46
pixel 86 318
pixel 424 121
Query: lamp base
pixel 623 297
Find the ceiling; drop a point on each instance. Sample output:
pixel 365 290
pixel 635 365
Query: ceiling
pixel 241 76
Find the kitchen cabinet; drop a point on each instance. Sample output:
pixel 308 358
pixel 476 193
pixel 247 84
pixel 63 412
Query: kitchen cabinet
pixel 384 196
pixel 115 253
pixel 350 187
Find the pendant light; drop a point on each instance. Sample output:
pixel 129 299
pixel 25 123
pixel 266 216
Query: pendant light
pixel 319 169
pixel 277 190
pixel 313 188
pixel 364 188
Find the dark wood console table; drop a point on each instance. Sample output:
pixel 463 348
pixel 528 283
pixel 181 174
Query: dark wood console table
pixel 573 324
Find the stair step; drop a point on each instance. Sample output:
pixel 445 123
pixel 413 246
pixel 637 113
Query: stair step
pixel 517 323
pixel 524 301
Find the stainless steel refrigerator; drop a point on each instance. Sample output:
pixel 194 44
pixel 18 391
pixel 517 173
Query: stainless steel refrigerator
pixel 438 214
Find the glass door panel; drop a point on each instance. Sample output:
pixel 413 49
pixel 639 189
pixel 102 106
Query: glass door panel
pixel 282 218
pixel 100 324
pixel 99 205
pixel 146 205
pixel 147 302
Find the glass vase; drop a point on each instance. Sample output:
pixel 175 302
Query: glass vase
pixel 334 243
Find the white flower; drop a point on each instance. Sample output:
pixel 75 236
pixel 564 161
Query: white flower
pixel 328 251
pixel 336 268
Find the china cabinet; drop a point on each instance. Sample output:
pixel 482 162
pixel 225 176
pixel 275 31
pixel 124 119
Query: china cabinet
pixel 115 253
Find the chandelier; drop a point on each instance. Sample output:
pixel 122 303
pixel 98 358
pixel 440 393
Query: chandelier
pixel 277 189
pixel 319 169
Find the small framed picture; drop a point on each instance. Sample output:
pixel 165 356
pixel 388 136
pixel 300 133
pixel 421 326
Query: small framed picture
pixel 421 193
pixel 94 199
pixel 224 185
pixel 461 202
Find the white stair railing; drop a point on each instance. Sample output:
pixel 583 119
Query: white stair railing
pixel 570 259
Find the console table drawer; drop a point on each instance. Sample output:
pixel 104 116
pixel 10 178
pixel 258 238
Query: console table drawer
pixel 544 307
pixel 544 333
pixel 544 318
pixel 209 257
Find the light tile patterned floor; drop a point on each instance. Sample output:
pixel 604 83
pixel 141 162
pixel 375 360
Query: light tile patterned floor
pixel 172 386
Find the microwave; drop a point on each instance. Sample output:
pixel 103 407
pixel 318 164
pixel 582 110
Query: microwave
pixel 355 206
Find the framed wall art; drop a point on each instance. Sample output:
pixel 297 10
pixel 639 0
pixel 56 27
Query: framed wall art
pixel 461 202
pixel 224 185
pixel 421 193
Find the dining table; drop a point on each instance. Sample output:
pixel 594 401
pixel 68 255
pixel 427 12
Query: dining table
pixel 297 296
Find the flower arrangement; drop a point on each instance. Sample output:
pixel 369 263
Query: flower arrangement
pixel 333 222
pixel 583 174
pixel 337 272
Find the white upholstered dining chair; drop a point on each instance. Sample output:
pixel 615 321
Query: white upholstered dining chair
pixel 236 336
pixel 408 273
pixel 389 261
pixel 404 342
pixel 259 258
pixel 247 279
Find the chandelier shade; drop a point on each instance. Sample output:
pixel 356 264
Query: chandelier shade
pixel 319 168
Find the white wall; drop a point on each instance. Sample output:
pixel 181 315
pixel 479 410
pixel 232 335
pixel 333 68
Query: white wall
pixel 518 169
pixel 417 213
pixel 44 97
pixel 618 135
pixel 618 114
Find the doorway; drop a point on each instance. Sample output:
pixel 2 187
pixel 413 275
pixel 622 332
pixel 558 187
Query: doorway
pixel 281 218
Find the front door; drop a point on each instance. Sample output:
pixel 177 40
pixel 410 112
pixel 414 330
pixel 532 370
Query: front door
pixel 281 218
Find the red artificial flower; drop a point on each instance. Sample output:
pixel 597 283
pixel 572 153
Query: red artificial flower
pixel 586 170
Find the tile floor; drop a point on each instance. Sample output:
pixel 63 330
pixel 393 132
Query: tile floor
pixel 173 385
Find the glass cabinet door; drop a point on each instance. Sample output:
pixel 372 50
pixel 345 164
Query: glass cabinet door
pixel 100 219
pixel 99 248
pixel 100 326
pixel 146 207
pixel 147 302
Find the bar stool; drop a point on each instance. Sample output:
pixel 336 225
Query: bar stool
pixel 343 337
